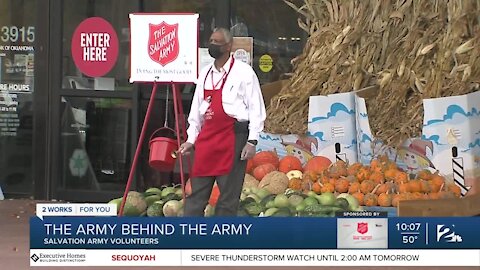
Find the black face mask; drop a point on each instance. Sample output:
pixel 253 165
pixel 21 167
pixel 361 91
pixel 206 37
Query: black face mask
pixel 215 50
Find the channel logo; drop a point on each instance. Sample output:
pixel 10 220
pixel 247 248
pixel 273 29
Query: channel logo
pixel 447 234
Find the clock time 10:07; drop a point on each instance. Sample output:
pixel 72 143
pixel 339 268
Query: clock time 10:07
pixel 413 227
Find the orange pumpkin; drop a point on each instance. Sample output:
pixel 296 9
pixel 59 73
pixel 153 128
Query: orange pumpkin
pixel 363 174
pixel 367 186
pixel 338 170
pixel 426 187
pixel 318 164
pixel 317 188
pixel 424 174
pixel 295 183
pixel 214 196
pixel 260 171
pixel 401 177
pixel 360 197
pixel 249 167
pixel 390 174
pixel 455 189
pixel 415 186
pixel 354 187
pixel 353 169
pixel 289 163
pixel 385 200
pixel 265 157
pixel 327 187
pixel 384 188
pixel 403 188
pixel 310 175
pixel 342 185
pixel 370 199
pixel 377 177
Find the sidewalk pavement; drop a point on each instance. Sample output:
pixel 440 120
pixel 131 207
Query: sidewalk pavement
pixel 14 244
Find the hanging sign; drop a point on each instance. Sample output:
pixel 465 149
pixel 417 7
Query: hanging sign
pixel 242 49
pixel 94 47
pixel 164 48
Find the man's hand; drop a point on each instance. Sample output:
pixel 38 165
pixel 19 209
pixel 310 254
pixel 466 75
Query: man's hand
pixel 248 151
pixel 185 148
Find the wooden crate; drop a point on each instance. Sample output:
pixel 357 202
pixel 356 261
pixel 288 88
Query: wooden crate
pixel 464 207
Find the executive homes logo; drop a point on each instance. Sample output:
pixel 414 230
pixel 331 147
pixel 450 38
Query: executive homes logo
pixel 34 257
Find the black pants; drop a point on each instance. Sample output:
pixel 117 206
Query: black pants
pixel 230 185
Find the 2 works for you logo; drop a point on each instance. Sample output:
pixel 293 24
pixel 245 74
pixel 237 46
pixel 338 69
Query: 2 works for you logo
pixel 447 234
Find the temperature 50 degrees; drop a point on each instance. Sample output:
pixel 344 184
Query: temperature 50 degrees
pixel 409 239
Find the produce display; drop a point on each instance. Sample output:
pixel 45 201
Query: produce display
pixel 282 187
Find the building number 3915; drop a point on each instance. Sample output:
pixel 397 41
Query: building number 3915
pixel 15 34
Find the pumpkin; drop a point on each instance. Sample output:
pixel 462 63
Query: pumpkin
pixel 385 200
pixel 367 186
pixel 338 170
pixel 401 177
pixel 377 177
pixel 424 174
pixel 455 189
pixel 403 188
pixel 354 187
pixel 426 188
pixel 249 168
pixel 342 185
pixel 260 171
pixel 370 199
pixel 376 165
pixel 360 197
pixel 317 164
pixel 363 174
pixel 214 195
pixel 290 163
pixel 415 186
pixel 310 175
pixel 265 157
pixel 390 174
pixel 327 187
pixel 384 188
pixel 317 187
pixel 295 183
pixel 353 169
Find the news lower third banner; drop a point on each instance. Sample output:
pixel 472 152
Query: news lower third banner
pixel 296 241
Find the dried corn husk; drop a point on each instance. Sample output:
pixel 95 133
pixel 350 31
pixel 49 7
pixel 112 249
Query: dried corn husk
pixel 412 49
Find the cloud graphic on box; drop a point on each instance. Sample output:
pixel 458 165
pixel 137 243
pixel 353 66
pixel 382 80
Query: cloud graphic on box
pixel 335 108
pixel 454 113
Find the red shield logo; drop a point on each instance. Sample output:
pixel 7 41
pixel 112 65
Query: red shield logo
pixel 362 227
pixel 163 44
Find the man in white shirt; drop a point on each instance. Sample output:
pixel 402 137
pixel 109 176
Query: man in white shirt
pixel 226 116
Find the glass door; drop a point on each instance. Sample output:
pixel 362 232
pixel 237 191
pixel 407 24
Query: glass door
pixel 17 66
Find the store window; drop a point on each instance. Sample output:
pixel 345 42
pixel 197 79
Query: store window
pixel 95 143
pixel 17 51
pixel 115 13
pixel 277 38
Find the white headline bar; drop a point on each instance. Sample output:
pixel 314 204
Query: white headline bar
pixel 77 257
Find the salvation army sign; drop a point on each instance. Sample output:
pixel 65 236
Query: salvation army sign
pixel 164 47
pixel 163 43
pixel 94 47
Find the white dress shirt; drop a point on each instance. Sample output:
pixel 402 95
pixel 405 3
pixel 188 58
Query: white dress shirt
pixel 241 97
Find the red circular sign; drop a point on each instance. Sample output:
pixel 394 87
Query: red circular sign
pixel 95 47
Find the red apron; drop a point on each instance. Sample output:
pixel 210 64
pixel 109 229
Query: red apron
pixel 215 145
